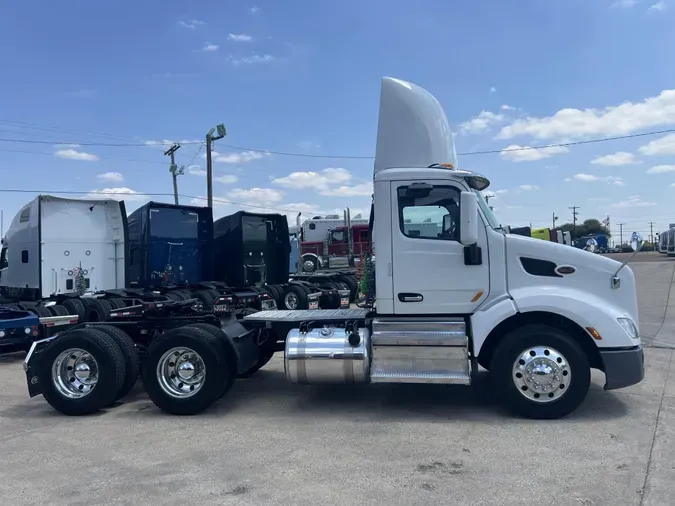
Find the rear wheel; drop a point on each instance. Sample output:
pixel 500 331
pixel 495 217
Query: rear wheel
pixel 230 355
pixel 58 310
pixel 75 307
pixel 97 310
pixel 131 360
pixel 42 311
pixel 81 372
pixel 295 297
pixel 540 372
pixel 185 370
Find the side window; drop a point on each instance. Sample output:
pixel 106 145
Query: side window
pixel 429 213
pixel 338 236
pixel 25 215
pixel 3 258
pixel 24 256
pixel 312 226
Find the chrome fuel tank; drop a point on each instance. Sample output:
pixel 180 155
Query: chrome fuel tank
pixel 327 355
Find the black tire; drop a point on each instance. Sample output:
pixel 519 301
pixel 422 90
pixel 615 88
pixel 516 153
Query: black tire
pixel 206 297
pixel 132 362
pixel 294 291
pixel 58 310
pixel 41 311
pixel 276 292
pixel 111 371
pixel 350 281
pixel 97 310
pixel 231 354
pixel 216 294
pixel 116 303
pixel 518 342
pixel 314 265
pixel 174 296
pixel 75 307
pixel 216 366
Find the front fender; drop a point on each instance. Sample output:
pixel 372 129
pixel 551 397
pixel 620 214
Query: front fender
pixel 314 256
pixel 583 308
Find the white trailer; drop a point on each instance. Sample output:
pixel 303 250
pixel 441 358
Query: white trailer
pixel 537 314
pixel 52 238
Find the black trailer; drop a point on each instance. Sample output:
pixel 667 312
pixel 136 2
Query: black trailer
pixel 253 249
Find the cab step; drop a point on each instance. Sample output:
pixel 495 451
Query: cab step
pixel 420 350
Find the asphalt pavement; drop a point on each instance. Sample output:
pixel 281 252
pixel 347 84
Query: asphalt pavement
pixel 268 442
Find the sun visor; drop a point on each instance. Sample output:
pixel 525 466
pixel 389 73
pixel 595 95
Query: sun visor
pixel 412 130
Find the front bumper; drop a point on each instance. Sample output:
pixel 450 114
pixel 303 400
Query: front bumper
pixel 623 367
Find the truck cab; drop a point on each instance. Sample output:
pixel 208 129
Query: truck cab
pixel 462 292
pixel 334 250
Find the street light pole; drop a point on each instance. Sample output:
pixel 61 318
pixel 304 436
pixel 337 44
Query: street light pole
pixel 209 164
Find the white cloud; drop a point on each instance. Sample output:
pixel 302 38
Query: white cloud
pixel 254 58
pixel 121 193
pixel 518 153
pixel 661 169
pixel 658 6
pixel 239 37
pixel 208 47
pixel 481 123
pixel 528 187
pixel 359 190
pixel 623 119
pixel 226 179
pixel 625 4
pixel 634 202
pixel 256 195
pixel 66 146
pixel 321 180
pixel 506 107
pixel 196 170
pixel 500 192
pixel 618 158
pixel 331 182
pixel 589 178
pixel 662 146
pixel 73 154
pixel 192 24
pixel 254 10
pixel 493 89
pixel 243 157
pixel 113 177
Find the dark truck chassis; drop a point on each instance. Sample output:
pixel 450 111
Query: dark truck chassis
pixel 130 343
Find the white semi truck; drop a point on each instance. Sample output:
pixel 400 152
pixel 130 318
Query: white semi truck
pixel 538 315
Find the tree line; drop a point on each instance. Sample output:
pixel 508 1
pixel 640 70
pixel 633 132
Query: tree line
pixel 588 227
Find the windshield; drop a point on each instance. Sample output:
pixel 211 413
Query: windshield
pixel 174 224
pixel 489 214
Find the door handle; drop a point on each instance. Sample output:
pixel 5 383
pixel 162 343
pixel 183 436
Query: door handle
pixel 410 297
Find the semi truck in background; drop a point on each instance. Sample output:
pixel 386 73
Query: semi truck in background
pixel 58 252
pixel 545 234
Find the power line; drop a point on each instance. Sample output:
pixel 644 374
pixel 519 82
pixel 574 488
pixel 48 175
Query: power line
pixel 352 157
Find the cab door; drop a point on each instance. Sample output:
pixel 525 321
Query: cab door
pixel 430 275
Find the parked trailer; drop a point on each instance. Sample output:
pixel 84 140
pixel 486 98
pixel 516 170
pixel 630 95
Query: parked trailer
pixel 536 314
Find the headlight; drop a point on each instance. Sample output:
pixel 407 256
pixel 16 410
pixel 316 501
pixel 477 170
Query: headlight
pixel 629 327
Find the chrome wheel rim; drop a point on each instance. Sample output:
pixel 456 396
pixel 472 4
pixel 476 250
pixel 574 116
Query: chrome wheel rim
pixel 75 373
pixel 181 372
pixel 291 300
pixel 308 265
pixel 541 374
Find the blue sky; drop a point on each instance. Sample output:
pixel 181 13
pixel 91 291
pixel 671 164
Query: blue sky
pixel 303 77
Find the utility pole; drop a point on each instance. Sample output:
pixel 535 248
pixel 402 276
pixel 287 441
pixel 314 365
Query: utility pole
pixel 209 165
pixel 574 217
pixel 621 233
pixel 174 169
pixel 651 232
pixel 555 218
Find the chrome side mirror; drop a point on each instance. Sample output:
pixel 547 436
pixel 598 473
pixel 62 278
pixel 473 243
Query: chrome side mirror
pixel 591 245
pixel 636 241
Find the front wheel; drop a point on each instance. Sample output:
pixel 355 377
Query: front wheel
pixel 540 372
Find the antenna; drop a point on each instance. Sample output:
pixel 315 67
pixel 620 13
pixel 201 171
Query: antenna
pixel 454 151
